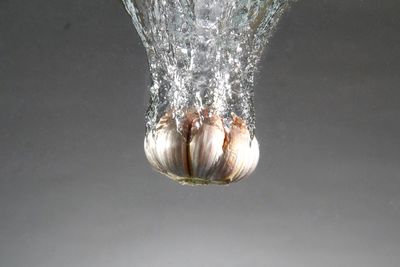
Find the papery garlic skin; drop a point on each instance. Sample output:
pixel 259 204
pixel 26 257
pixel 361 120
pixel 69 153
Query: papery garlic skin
pixel 205 152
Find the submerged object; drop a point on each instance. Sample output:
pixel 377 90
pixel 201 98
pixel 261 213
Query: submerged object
pixel 203 55
pixel 204 151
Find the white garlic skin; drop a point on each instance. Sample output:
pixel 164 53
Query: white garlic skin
pixel 205 152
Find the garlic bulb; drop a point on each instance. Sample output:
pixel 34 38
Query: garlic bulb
pixel 203 56
pixel 204 152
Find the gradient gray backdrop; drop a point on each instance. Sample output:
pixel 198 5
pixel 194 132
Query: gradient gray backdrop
pixel 77 191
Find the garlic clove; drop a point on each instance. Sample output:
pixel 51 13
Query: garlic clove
pixel 240 153
pixel 205 148
pixel 166 150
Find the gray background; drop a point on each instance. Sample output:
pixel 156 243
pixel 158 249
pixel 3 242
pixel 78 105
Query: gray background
pixel 76 189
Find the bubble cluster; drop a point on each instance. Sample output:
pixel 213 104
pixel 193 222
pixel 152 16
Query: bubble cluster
pixel 204 54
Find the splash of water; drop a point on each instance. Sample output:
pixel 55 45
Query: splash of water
pixel 203 54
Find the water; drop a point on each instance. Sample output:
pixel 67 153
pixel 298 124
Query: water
pixel 203 54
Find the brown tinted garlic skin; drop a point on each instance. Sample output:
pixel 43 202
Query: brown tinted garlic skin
pixel 204 151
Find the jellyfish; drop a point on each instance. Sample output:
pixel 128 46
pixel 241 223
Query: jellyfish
pixel 203 57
